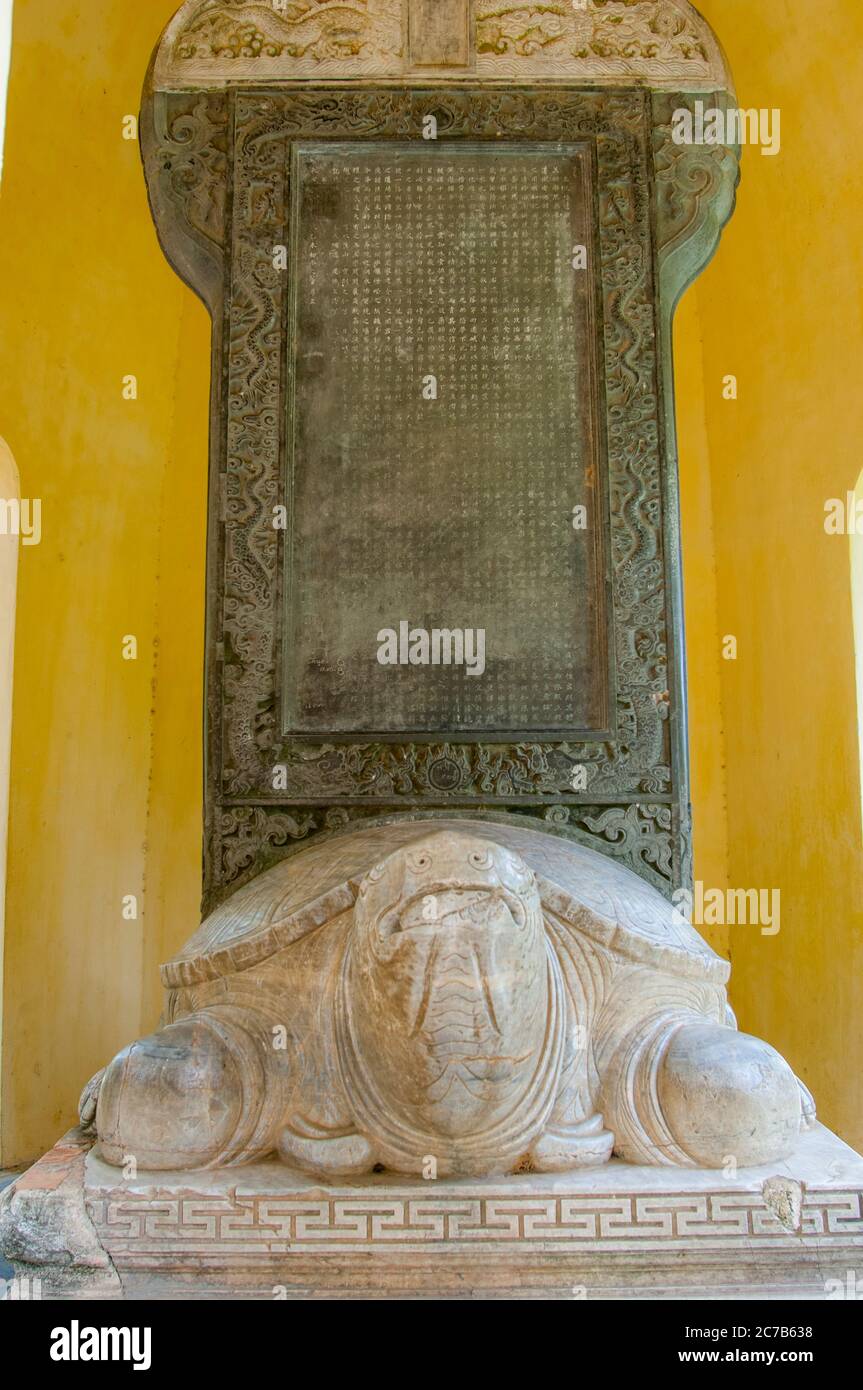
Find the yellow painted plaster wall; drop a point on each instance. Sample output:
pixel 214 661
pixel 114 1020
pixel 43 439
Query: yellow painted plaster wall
pixel 106 769
pixel 780 307
pixel 106 759
pixel 706 731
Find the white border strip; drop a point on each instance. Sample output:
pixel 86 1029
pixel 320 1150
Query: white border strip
pixel 5 60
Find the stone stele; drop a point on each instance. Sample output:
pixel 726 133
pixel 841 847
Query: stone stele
pixel 448 1049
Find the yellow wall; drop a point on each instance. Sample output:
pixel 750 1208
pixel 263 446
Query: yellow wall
pixel 780 307
pixel 106 764
pixel 9 546
pixel 106 761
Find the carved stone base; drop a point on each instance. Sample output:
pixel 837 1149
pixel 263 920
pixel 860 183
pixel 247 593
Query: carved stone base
pixel 789 1230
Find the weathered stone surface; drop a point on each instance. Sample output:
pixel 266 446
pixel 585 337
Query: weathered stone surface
pixel 439 33
pixel 236 91
pixel 622 789
pixel 744 1099
pixel 446 1010
pixel 45 1230
pixel 660 42
pixel 434 582
pixel 621 1231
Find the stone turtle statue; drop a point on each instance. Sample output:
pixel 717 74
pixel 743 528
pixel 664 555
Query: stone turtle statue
pixel 454 998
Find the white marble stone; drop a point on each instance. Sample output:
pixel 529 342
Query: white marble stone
pixel 792 1229
pixel 447 1001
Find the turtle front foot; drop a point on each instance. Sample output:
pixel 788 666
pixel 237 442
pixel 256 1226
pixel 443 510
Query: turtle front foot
pixel 728 1097
pixel 703 1095
pixel 192 1095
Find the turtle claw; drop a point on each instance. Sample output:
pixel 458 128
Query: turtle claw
pixel 89 1101
pixel 563 1147
pixel 345 1156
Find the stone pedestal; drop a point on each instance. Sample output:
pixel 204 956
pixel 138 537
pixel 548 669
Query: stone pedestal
pixel 787 1230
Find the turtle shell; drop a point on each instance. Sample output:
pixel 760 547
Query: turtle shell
pixel 583 888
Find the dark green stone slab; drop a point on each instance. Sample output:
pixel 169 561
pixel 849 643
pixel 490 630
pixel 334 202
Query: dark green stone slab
pixel 453 513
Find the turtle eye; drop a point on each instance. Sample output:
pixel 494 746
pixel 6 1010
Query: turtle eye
pixel 420 862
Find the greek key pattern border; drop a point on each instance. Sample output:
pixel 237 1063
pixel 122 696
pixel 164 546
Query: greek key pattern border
pixel 266 1225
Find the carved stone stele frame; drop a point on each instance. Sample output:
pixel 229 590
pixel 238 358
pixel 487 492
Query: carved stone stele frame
pixel 659 43
pixel 231 89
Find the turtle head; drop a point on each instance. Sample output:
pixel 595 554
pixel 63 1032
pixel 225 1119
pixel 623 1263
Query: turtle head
pixel 448 980
pixel 448 884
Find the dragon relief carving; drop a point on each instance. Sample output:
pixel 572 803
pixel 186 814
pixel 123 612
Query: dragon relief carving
pixel 521 29
pixel 227 41
pixel 605 35
pixel 192 160
pixel 310 31
pixel 252 838
pixel 696 186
